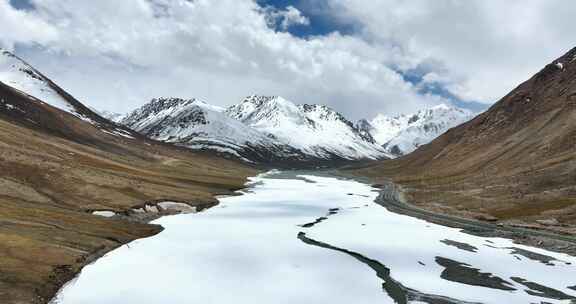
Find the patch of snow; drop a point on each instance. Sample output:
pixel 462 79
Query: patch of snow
pixel 123 133
pixel 151 209
pixel 104 213
pixel 214 147
pixel 118 132
pixel 9 106
pixel 177 207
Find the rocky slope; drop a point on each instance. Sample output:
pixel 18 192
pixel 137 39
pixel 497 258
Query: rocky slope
pixel 404 133
pixel 514 163
pixel 259 129
pixel 60 161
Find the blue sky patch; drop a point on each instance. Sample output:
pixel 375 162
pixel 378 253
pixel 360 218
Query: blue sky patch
pixel 416 77
pixel 322 22
pixel 318 12
pixel 22 4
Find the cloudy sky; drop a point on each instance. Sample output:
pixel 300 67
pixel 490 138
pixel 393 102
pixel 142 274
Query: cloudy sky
pixel 359 56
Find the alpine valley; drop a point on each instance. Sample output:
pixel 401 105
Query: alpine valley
pixel 371 205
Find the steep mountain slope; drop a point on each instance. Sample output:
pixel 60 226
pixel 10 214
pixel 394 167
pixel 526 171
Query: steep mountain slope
pixel 200 126
pixel 19 75
pixel 517 161
pixel 36 91
pixel 58 164
pixel 314 129
pixel 403 134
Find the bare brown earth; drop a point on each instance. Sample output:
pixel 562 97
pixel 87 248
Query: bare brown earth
pixel 56 168
pixel 514 164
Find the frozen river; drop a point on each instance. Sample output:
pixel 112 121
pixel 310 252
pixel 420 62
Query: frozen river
pixel 311 239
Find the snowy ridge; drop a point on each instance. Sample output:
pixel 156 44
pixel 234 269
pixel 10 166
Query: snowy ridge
pixel 316 130
pixel 19 75
pixel 176 119
pixel 403 134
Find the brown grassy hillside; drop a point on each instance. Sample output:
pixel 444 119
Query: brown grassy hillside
pixel 515 162
pixel 55 168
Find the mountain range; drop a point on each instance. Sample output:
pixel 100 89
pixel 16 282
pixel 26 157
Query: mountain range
pixel 259 129
pixel 271 129
pixel 267 129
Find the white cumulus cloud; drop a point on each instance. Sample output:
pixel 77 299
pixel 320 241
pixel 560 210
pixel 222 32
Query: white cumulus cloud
pixel 486 47
pixel 117 55
pixel 22 27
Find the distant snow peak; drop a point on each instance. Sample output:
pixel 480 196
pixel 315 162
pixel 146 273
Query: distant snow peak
pixel 404 133
pixel 317 130
pixel 256 109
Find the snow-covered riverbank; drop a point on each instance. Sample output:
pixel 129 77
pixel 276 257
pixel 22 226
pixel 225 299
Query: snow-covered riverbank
pixel 309 239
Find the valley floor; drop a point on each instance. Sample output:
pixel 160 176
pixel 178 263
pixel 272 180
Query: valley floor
pixel 392 198
pixel 333 242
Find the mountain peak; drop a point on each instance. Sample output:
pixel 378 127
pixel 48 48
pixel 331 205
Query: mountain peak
pixel 19 75
pixel 256 108
pixel 26 80
pixel 404 133
pixel 323 111
pixel 442 106
pixel 259 101
pixel 315 129
pixel 166 102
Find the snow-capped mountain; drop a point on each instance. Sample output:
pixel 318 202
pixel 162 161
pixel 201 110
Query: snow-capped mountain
pixel 271 128
pixel 261 129
pixel 37 89
pixel 316 130
pixel 404 133
pixel 200 126
pixel 19 75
